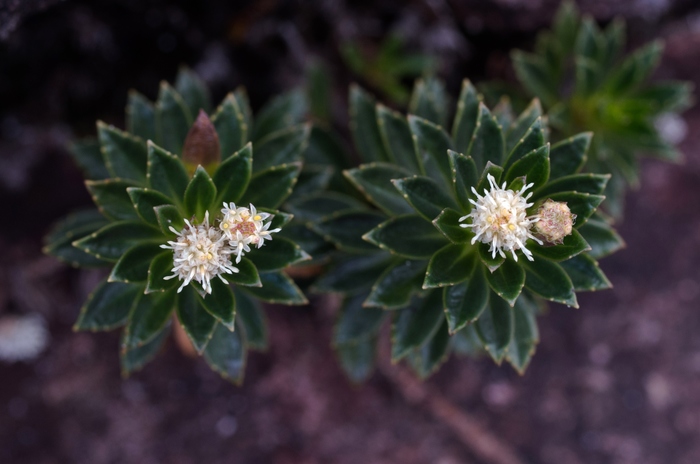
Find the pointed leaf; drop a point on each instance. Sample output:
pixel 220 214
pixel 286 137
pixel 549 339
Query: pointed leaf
pixel 429 101
pixel 247 274
pixel 108 306
pixel 495 328
pixel 321 204
pixel 573 245
pixel 532 140
pixel 374 182
pixel 193 91
pixel 525 335
pixel 112 241
pixel 197 323
pixel 450 265
pixel 169 216
pixel 149 314
pixel 345 229
pixel 397 138
pixel 233 175
pixel 396 285
pixel 166 173
pixel 414 325
pixel 357 359
pixel 533 74
pixel 483 185
pixel 364 128
pixel 231 126
pixel 134 359
pixel 466 117
pixel 548 280
pixel 140 116
pixel 507 281
pixel 220 303
pixel 448 223
pixel 464 302
pixel 87 153
pixel 487 257
pixel 352 274
pixel 143 200
pixel 200 194
pixel 283 111
pixel 410 236
pixel 111 198
pixel 125 155
pixel 431 143
pixel 601 237
pixel 464 177
pixel 583 183
pixel 583 205
pixel 226 353
pixel 173 119
pixel 534 167
pixel 356 322
pixel 59 242
pixel 636 68
pixel 522 124
pixel 269 188
pixel 282 147
pixel 568 156
pixel 277 287
pixel 161 266
pixel 585 274
pixel 425 195
pixel 277 254
pixel 251 319
pixel 428 358
pixel 133 265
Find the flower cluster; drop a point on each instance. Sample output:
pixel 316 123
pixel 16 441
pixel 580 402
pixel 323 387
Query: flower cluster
pixel 500 219
pixel 202 252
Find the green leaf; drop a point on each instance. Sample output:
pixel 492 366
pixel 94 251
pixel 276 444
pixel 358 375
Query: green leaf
pixel 200 194
pixel 464 302
pixel 397 138
pixel 321 204
pixel 466 342
pixel 583 183
pixel 666 95
pixel 277 287
pixel 326 148
pixel 283 111
pixel 448 223
pixel 87 153
pixel 464 177
pixel 169 216
pixel 601 237
pixel 166 173
pixel 134 263
pixel 428 358
pixel 573 245
pixel 534 167
pixel 220 303
pixel 532 140
pixel 374 182
pixel 346 229
pixel 415 325
pixel 233 175
pixel 226 354
pixel 352 274
pixel 173 119
pixel 251 319
pixel 525 335
pixel 231 126
pixel 277 254
pixel 357 359
pixel 108 306
pixel 429 101
pixel 410 236
pixel 534 75
pixel 59 242
pixel 364 128
pixel 140 116
pixel 425 195
pixel 484 185
pixel 125 155
pixel 521 126
pixel 193 91
pixel 467 114
pixel 585 274
pixel 112 241
pixel 269 188
pixel 450 265
pixel 395 286
pixel 431 143
pixel 318 90
pixel 247 274
pixel 568 156
pixel 161 266
pixel 112 198
pixel 244 105
pixel 149 315
pixel 356 322
pixel 197 323
pixel 495 328
pixel 491 261
pixel 636 68
pixel 133 359
pixel 143 200
pixel 548 280
pixel 282 147
pixel 583 205
pixel 507 281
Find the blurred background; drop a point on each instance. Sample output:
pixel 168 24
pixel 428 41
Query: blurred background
pixel 617 381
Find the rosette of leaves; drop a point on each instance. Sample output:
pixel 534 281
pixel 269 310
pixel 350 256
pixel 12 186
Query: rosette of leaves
pixel 402 256
pixel 181 159
pixel 585 83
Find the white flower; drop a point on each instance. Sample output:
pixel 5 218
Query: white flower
pixel 500 219
pixel 245 226
pixel 200 254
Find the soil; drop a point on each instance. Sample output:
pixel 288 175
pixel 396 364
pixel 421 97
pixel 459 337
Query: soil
pixel 617 381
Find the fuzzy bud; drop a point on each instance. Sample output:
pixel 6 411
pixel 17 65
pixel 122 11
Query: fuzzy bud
pixel 555 222
pixel 202 145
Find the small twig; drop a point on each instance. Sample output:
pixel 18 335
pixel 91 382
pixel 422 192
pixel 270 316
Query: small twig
pixel 469 431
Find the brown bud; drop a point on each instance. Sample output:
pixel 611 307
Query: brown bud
pixel 555 222
pixel 201 144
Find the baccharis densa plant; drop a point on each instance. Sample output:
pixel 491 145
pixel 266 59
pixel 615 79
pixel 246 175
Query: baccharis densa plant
pixel 186 219
pixel 585 84
pixel 465 234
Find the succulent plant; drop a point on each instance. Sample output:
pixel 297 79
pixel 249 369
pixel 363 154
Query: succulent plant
pixel 578 73
pixel 186 218
pixel 463 235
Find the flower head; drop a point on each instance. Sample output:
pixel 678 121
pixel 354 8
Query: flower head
pixel 245 226
pixel 499 218
pixel 556 221
pixel 200 254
